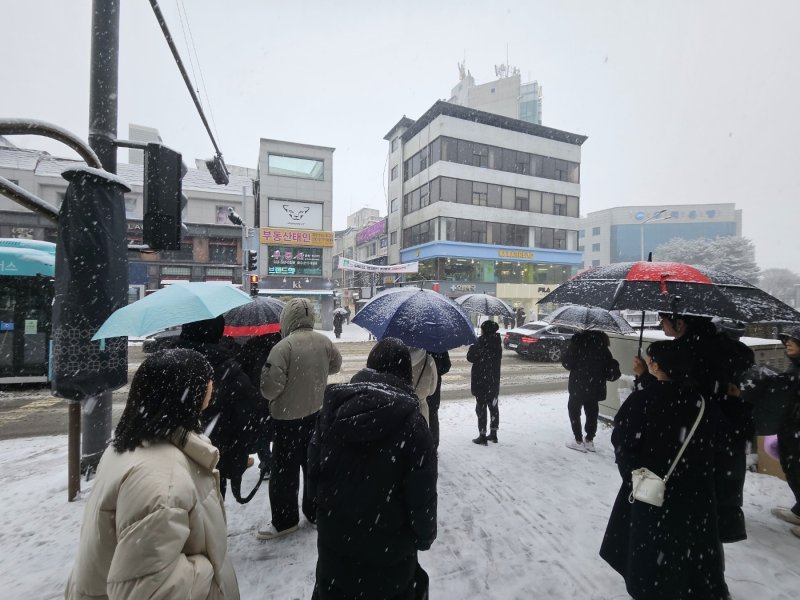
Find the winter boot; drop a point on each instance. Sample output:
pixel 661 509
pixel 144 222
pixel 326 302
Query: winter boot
pixel 481 439
pixel 492 437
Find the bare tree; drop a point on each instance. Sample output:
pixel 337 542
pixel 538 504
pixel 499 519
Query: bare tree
pixel 732 254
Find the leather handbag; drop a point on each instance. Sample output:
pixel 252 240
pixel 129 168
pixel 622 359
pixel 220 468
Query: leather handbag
pixel 649 487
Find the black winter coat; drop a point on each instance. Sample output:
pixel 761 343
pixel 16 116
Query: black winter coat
pixel 590 365
pixel 669 552
pixel 485 356
pixel 372 469
pixel 442 360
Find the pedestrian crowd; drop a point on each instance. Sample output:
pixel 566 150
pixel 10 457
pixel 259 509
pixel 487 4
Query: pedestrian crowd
pixel 155 526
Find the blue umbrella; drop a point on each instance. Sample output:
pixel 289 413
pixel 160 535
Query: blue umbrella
pixel 421 318
pixel 173 305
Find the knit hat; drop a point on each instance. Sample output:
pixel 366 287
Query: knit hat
pixel 391 355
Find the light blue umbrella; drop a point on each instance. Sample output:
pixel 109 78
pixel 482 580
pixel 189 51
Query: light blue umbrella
pixel 173 305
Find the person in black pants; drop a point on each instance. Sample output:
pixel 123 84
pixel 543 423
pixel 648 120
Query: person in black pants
pixel 590 365
pixel 442 360
pixel 485 357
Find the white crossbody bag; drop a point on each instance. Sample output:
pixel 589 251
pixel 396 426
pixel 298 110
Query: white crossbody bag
pixel 649 487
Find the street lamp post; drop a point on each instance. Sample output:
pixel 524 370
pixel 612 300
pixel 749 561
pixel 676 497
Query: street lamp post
pixel 657 216
pixel 234 218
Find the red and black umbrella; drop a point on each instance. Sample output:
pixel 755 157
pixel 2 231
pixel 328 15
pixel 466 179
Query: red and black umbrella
pixel 671 287
pixel 259 317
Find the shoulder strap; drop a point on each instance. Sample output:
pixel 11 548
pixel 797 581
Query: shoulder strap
pixel 424 364
pixel 236 488
pixel 688 437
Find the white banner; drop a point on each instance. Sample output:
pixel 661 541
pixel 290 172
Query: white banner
pixel 348 264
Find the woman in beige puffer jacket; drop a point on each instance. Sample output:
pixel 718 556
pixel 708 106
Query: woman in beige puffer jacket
pixel 154 525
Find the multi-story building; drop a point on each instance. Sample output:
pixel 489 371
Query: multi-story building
pixel 629 233
pixel 485 203
pixel 210 247
pixel 364 240
pixel 506 96
pixel 296 217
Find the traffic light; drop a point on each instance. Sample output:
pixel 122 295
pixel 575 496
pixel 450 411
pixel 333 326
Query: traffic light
pixel 163 200
pixel 252 261
pixel 253 285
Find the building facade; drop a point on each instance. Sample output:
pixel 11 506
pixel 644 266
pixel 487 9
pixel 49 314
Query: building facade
pixel 506 96
pixel 485 203
pixel 296 216
pixel 365 240
pixel 210 247
pixel 629 233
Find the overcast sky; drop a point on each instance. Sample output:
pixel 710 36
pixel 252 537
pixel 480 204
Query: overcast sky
pixel 688 101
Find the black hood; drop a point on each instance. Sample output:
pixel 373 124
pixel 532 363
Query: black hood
pixel 369 408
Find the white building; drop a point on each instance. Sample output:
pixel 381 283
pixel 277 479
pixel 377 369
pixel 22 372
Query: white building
pixel 485 203
pixel 506 96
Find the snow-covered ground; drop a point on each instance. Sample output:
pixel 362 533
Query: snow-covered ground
pixel 520 519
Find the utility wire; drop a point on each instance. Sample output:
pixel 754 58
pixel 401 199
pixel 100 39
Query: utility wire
pixel 171 43
pixel 186 41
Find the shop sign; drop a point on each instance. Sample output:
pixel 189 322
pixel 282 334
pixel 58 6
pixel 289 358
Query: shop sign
pixel 296 237
pixel 514 254
pixel 295 215
pixel 463 287
pixel 371 231
pixel 286 260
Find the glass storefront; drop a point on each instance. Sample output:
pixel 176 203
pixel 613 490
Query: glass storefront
pixel 491 271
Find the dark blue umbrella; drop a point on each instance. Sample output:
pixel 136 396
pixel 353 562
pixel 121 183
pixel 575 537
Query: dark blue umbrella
pixel 420 318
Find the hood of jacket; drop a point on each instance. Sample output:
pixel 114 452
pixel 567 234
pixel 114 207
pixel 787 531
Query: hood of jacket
pixel 297 314
pixel 371 407
pixel 417 356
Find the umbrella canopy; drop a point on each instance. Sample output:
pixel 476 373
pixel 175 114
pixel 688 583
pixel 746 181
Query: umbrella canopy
pixel 173 305
pixel 671 287
pixel 260 316
pixel 421 318
pixel 589 317
pixel 340 311
pixel 484 304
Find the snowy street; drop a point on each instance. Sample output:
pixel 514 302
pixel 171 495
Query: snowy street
pixel 517 520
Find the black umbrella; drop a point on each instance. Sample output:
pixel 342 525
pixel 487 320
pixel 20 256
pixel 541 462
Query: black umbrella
pixel 674 288
pixel 260 316
pixel 484 304
pixel 589 317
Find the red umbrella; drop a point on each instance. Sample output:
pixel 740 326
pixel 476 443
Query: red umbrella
pixel 260 316
pixel 671 287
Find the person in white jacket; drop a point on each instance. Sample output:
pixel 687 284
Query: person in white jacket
pixel 423 373
pixel 154 525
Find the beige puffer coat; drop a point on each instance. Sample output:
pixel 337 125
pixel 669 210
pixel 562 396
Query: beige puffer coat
pixel 423 373
pixel 154 527
pixel 297 369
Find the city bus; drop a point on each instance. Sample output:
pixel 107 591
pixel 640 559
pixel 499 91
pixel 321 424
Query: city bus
pixel 27 269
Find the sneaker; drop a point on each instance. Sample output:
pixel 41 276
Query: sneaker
pixel 270 533
pixel 787 515
pixel 589 445
pixel 492 437
pixel 481 439
pixel 576 445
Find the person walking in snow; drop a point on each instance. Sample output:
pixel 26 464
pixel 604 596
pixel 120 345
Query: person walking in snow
pixel 337 324
pixel 590 364
pixel 294 380
pixel 671 551
pixel 154 524
pixel 485 356
pixel 372 469
pixel 520 316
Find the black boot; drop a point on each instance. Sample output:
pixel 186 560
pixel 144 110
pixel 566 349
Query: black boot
pixel 481 439
pixel 492 437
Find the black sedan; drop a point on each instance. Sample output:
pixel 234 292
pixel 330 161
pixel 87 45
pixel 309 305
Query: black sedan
pixel 537 342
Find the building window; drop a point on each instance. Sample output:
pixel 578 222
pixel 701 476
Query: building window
pixel 595 263
pixel 395 143
pixel 394 205
pixel 393 238
pixel 222 216
pixel 294 166
pixel 185 254
pixel 130 202
pixel 595 247
pixel 595 231
pixel 222 251
pixel 394 172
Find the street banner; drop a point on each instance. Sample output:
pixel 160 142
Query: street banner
pixel 348 264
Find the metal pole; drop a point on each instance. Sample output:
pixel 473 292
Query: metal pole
pixel 245 278
pixel 74 451
pixel 641 241
pixel 103 92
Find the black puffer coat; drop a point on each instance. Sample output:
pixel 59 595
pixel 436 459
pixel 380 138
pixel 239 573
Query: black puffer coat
pixel 372 468
pixel 590 365
pixel 485 356
pixel 669 552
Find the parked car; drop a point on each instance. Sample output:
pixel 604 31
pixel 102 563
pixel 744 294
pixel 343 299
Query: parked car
pixel 160 340
pixel 545 343
pixel 512 336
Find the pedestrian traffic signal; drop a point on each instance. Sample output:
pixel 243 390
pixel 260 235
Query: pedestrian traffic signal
pixel 252 260
pixel 163 200
pixel 253 285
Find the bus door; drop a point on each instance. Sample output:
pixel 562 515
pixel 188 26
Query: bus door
pixel 25 328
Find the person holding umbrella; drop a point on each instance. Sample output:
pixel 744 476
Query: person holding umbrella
pixel 485 356
pixel 590 364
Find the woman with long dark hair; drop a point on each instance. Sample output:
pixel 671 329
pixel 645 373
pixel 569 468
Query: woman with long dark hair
pixel 154 525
